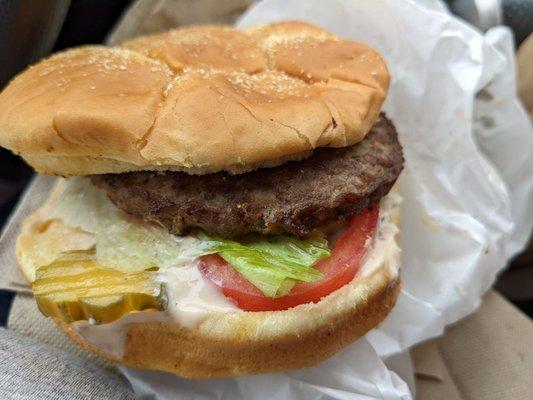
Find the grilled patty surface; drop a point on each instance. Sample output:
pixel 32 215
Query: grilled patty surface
pixel 297 197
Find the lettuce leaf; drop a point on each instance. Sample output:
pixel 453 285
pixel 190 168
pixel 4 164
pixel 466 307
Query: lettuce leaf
pixel 121 242
pixel 273 265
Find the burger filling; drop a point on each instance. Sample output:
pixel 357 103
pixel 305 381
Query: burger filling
pixel 270 239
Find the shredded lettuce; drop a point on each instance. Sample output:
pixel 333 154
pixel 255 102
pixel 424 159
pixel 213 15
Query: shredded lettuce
pixel 273 265
pixel 121 242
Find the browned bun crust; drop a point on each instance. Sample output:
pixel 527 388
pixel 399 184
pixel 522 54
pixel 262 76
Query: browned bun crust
pixel 198 99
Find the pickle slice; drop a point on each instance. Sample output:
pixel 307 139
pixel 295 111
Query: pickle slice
pixel 75 287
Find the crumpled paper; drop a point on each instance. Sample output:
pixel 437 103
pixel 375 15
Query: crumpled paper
pixel 467 188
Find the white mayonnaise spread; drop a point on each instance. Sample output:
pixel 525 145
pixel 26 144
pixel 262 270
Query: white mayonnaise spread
pixel 191 297
pixel 111 337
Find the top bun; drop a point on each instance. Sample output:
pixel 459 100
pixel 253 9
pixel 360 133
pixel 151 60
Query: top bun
pixel 199 99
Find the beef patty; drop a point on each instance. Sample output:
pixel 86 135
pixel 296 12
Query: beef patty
pixel 297 197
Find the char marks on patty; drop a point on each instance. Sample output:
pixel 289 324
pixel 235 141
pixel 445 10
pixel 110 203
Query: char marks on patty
pixel 297 197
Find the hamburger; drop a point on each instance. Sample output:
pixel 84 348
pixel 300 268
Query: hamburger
pixel 226 203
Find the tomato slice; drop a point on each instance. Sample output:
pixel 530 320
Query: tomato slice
pixel 338 269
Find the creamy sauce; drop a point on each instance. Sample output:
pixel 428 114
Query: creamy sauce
pixel 385 252
pixel 111 337
pixel 191 297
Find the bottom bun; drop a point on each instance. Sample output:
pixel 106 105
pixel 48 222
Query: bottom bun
pixel 225 344
pixel 172 348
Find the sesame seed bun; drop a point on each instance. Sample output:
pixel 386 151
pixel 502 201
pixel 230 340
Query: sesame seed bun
pixel 199 99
